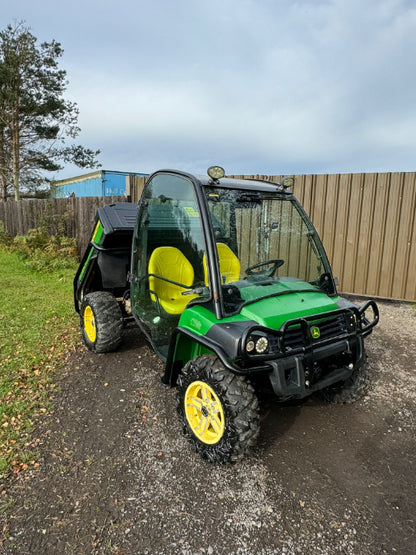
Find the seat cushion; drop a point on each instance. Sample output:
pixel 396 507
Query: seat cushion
pixel 170 264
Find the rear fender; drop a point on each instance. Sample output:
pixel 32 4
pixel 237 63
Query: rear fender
pixel 88 272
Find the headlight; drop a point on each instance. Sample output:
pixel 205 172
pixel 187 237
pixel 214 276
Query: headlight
pixel 257 345
pixel 250 346
pixel 262 345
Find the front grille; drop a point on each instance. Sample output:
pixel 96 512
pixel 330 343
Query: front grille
pixel 294 337
pixel 332 327
pixel 297 335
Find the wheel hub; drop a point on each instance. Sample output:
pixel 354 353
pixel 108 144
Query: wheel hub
pixel 204 412
pixel 89 324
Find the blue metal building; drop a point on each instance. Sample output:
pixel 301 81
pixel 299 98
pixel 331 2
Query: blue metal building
pixel 102 183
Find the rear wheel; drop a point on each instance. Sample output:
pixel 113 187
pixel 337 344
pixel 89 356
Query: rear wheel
pixel 101 322
pixel 218 409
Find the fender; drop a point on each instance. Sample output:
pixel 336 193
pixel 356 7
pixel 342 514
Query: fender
pixel 179 354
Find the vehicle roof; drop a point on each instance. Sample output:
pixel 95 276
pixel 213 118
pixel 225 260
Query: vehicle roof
pixel 232 183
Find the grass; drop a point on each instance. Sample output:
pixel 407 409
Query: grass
pixel 37 326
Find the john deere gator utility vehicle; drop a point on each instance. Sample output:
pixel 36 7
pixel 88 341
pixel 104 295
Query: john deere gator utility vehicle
pixel 229 282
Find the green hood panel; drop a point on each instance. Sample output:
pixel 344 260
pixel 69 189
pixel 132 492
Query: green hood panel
pixel 294 299
pixel 199 320
pixel 275 311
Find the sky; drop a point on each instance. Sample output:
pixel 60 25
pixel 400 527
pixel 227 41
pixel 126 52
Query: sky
pixel 257 86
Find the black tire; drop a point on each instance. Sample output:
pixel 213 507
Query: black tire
pixel 353 389
pixel 101 322
pixel 232 398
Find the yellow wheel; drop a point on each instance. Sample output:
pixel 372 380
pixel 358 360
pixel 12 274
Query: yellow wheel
pixel 204 412
pixel 101 321
pixel 89 324
pixel 218 410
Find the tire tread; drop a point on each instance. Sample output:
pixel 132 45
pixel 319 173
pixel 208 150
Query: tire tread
pixel 108 320
pixel 240 406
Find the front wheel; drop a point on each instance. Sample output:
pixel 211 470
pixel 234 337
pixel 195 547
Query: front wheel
pixel 351 390
pixel 218 409
pixel 101 322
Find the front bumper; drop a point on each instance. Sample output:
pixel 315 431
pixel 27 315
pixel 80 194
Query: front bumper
pixel 305 365
pixel 297 363
pixel 301 375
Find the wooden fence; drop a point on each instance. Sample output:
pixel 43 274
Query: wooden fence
pixel 74 216
pixel 367 223
pixel 134 187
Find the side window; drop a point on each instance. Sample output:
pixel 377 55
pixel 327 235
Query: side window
pixel 174 219
pixel 168 255
pixel 220 218
pixel 223 219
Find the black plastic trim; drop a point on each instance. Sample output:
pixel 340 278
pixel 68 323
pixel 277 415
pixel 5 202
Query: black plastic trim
pixel 109 249
pixel 296 386
pixel 361 310
pixel 170 379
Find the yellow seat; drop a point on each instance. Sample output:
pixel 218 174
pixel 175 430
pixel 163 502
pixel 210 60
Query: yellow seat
pixel 229 264
pixel 168 263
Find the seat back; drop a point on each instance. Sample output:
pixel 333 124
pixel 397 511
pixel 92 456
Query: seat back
pixel 229 264
pixel 168 263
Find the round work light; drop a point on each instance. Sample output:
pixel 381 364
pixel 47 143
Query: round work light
pixel 216 172
pixel 262 345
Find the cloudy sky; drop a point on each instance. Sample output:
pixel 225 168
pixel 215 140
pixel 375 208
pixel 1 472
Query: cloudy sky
pixel 257 86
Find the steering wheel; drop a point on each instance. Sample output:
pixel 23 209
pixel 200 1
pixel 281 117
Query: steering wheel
pixel 277 262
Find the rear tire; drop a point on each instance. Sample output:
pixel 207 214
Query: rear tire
pixel 101 322
pixel 218 409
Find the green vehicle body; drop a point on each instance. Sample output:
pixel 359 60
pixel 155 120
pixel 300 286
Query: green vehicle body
pixel 253 287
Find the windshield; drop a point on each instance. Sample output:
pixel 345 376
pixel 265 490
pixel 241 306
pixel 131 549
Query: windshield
pixel 266 246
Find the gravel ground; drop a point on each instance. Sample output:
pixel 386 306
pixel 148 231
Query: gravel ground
pixel 117 475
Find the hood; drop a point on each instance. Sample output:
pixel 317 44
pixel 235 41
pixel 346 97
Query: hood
pixel 293 299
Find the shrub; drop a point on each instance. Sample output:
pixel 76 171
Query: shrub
pixel 5 238
pixel 40 250
pixel 44 252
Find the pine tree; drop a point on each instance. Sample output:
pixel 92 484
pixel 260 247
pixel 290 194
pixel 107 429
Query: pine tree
pixel 36 121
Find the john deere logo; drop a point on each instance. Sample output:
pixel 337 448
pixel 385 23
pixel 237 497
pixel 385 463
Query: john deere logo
pixel 315 332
